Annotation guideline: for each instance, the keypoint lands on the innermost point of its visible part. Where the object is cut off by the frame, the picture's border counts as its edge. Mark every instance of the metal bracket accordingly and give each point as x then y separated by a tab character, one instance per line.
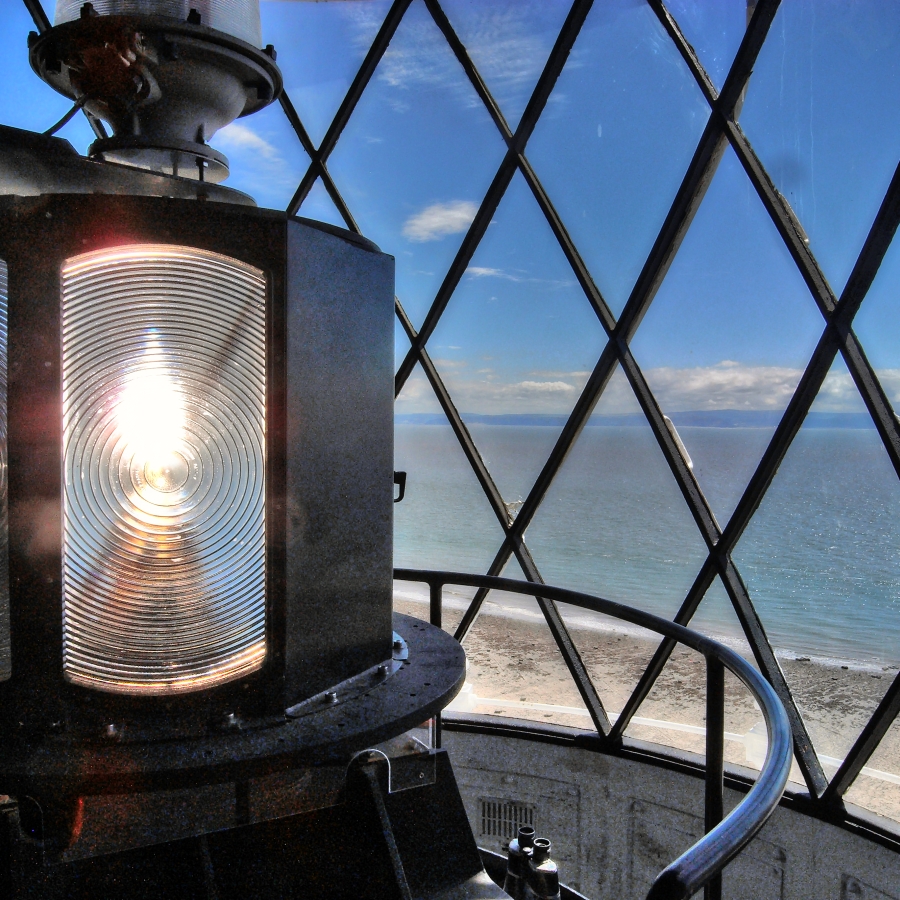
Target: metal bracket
355	685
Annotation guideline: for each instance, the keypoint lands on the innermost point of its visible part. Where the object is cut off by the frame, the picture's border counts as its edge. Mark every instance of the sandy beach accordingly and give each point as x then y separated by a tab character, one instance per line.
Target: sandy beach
514	669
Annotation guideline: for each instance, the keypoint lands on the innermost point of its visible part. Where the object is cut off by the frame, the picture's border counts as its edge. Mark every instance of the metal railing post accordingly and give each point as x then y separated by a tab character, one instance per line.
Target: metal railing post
435	597
715	759
436	591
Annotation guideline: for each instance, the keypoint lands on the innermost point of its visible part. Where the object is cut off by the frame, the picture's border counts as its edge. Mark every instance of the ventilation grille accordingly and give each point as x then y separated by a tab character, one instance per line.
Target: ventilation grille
503	818
164	384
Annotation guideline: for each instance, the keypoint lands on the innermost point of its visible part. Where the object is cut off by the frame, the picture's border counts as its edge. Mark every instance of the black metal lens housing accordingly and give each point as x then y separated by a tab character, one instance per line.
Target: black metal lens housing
200	463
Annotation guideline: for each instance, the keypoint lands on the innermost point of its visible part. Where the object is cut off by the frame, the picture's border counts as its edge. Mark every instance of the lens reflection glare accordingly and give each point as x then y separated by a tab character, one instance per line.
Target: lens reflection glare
164	439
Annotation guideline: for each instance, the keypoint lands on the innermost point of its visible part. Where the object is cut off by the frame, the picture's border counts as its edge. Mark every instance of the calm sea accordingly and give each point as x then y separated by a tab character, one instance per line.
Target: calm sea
820	559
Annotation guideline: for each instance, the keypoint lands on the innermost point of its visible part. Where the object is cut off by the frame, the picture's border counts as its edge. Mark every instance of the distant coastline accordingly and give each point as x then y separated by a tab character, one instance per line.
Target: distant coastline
707	418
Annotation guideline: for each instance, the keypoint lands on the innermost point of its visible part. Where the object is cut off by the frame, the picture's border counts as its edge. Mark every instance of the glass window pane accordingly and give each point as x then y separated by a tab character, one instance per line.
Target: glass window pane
265	157
616	139
509	42
877	324
714	30
820	562
417	157
823	114
877	787
320	49
444	521
515	669
517	343
728	335
614	522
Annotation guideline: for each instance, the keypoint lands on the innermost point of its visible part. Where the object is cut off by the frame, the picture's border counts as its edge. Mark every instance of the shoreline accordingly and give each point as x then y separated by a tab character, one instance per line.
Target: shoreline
514	669
455	601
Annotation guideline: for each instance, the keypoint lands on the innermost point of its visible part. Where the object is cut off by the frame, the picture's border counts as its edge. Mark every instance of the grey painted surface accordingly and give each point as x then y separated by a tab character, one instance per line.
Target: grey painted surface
340	458
616	823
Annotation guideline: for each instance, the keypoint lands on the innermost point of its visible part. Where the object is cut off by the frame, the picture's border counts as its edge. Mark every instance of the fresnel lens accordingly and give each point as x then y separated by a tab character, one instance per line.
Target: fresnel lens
164	463
196	461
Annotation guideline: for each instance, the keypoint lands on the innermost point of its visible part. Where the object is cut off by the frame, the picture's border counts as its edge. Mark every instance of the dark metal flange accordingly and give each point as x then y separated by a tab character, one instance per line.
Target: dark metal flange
165	87
423	685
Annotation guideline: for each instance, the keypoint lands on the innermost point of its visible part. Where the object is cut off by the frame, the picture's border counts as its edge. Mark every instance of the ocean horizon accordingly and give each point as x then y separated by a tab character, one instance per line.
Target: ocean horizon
696	418
819	559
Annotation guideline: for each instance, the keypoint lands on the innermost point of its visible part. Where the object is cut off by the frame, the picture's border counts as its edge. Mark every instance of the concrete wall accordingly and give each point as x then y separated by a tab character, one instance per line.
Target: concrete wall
616	823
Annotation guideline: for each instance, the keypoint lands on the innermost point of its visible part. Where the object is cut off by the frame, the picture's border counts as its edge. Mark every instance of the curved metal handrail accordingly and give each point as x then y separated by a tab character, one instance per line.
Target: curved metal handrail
702	864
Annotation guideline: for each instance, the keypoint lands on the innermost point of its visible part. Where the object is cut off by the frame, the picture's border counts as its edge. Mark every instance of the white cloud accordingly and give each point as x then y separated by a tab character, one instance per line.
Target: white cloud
482	392
261	168
727	385
239	137
451	363
545	387
439	220
578	375
523	278
418	57
509	46
839	394
488	272
508	49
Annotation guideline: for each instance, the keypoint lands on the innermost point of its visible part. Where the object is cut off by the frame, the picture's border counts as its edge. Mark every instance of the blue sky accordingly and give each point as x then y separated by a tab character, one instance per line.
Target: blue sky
732	326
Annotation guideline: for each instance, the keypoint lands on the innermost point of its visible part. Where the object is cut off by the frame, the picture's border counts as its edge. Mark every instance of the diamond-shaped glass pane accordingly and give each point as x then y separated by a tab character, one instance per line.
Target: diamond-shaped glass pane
417	158
616	139
823	113
515	669
614	653
320	48
877	324
614	522
674	712
517	343
509	42
444	521
714	30
877	787
728	336
820	561
265	157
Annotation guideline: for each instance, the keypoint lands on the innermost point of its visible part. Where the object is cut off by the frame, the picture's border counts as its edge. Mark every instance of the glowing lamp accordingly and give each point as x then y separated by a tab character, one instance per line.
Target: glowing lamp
198	422
163	555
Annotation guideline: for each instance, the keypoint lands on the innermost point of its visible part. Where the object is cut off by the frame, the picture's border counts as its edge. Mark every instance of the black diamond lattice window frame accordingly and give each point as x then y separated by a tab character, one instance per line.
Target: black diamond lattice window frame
837	336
